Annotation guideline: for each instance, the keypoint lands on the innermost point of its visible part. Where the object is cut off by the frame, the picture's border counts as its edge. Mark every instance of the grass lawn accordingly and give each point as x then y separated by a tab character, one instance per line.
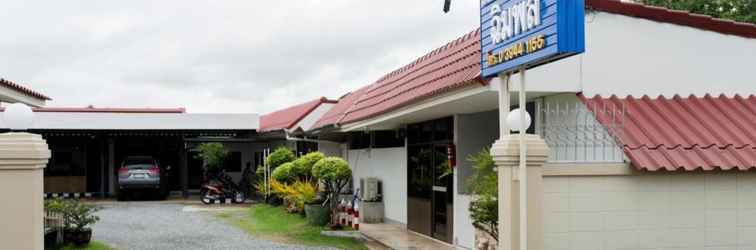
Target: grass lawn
93	245
273	223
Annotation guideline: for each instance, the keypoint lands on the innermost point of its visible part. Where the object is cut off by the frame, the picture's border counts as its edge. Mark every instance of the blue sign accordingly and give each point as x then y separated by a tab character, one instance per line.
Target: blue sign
516	33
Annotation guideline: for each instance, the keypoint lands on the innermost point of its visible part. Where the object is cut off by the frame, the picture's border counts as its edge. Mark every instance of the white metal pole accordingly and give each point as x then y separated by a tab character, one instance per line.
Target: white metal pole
505	200
503	104
523	174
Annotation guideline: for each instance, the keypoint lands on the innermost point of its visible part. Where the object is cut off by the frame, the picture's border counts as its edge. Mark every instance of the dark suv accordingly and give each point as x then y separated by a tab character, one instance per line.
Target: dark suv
139	173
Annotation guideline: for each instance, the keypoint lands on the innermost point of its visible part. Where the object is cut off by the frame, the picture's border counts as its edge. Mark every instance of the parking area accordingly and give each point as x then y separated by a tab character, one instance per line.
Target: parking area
173	225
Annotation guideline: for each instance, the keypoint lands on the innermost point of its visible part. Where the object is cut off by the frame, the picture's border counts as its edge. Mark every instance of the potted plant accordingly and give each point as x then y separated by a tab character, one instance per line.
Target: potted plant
334	173
78	217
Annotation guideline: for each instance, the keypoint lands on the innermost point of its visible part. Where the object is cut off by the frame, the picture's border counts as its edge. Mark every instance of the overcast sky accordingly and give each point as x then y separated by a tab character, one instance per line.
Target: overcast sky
216	56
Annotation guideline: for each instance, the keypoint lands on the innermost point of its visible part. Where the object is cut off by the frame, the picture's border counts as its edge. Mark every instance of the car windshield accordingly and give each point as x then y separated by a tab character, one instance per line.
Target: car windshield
139	163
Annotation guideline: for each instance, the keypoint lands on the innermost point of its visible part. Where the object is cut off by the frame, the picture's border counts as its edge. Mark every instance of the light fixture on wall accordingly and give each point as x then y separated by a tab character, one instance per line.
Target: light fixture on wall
514	121
18	117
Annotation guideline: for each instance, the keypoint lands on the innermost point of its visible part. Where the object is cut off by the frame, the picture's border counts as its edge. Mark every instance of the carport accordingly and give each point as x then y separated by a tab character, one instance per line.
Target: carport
88	144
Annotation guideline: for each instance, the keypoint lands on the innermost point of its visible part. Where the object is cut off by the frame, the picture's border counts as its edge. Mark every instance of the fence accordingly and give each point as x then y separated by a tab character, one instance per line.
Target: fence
53	226
574	134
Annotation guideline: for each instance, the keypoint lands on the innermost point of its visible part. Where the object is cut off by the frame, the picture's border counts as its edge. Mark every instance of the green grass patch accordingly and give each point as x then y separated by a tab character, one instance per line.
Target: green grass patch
273	223
93	245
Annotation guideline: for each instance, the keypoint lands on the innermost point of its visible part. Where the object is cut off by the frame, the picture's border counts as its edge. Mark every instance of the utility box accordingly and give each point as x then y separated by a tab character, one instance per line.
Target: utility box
371	195
370	189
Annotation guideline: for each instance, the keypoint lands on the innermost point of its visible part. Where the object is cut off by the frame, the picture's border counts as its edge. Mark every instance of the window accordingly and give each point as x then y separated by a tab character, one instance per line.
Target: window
304	147
233	162
376	139
434	131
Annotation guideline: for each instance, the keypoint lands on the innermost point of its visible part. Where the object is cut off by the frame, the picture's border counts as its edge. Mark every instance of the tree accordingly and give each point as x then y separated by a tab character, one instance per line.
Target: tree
280	156
334	173
303	166
284	173
213	154
737	10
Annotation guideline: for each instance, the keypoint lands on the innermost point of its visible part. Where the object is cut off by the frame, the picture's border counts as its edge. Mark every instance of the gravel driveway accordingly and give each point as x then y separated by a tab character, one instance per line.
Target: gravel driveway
161	225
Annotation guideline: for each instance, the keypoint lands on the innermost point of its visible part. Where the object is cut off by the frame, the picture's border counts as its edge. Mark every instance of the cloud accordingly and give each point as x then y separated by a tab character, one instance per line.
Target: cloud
217	56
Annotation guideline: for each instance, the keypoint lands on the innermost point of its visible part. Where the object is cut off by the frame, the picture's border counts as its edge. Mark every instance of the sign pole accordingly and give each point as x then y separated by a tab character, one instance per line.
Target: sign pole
523	172
505	179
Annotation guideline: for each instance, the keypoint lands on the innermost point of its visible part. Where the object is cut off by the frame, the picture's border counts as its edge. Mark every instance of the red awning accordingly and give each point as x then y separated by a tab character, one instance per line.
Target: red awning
683	133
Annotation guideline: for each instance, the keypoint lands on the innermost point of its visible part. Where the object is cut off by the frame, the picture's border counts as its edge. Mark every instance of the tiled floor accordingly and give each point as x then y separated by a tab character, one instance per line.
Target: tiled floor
396	237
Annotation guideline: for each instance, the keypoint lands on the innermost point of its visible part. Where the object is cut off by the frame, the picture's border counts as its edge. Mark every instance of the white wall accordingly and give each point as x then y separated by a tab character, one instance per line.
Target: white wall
634	56
653	211
472	133
330	149
390	166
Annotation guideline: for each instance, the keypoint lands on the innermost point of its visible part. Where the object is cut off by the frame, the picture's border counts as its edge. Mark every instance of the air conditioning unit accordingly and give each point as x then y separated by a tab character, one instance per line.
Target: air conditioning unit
370	189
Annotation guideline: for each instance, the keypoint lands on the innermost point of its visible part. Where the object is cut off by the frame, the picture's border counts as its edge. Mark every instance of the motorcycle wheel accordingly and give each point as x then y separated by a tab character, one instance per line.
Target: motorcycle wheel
207	198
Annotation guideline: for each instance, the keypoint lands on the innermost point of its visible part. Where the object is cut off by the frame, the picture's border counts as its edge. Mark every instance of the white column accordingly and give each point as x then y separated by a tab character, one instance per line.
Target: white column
23	157
504	175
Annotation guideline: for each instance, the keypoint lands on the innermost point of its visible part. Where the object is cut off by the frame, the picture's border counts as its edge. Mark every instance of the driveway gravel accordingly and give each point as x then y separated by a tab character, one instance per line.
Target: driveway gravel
161	225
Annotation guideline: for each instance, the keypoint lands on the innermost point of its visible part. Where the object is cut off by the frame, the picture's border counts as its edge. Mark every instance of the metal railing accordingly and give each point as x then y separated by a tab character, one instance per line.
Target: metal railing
53	223
574	134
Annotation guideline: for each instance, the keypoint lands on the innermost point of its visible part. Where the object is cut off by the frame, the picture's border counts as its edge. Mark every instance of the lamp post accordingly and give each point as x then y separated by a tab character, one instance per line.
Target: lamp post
18	117
23	157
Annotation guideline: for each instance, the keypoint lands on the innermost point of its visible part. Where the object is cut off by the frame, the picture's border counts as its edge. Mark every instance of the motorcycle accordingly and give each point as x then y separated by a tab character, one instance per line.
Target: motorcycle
220	187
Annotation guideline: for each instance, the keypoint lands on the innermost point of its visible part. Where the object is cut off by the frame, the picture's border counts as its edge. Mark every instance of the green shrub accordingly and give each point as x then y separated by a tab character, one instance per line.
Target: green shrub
280	156
77	216
284	173
213	154
484	209
303	165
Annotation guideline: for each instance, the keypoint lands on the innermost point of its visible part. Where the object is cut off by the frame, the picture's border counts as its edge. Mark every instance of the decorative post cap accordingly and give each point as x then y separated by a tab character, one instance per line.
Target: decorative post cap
506	151
23	151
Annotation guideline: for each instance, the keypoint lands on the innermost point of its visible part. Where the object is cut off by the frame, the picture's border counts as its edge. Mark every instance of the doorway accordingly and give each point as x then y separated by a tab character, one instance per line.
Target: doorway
430	193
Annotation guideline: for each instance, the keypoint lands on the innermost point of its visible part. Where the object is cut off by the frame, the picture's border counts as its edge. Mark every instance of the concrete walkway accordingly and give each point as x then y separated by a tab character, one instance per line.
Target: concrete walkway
396	237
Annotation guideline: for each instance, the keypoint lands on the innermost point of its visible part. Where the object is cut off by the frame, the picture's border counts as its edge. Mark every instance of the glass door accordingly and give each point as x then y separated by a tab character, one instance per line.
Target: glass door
443	194
419	185
430	193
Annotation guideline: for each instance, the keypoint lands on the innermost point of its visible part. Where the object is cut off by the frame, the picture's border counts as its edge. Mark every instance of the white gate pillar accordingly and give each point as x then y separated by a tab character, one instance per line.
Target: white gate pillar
506	154
23	156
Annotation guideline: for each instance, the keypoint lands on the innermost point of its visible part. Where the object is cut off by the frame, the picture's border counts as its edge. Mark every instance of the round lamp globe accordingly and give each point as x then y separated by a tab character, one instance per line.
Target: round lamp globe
514	121
18	116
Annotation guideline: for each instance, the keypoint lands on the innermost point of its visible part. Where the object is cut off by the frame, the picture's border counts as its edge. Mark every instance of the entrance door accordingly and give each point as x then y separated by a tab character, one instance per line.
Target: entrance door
443	195
430	191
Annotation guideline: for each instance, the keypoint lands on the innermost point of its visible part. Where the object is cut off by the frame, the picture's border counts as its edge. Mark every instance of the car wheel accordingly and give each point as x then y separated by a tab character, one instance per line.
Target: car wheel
122	195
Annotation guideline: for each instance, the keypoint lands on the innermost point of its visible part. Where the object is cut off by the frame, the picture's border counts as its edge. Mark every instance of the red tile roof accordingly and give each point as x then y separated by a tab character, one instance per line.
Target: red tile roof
336	113
684	18
450	67
288	117
456	65
23	90
684	133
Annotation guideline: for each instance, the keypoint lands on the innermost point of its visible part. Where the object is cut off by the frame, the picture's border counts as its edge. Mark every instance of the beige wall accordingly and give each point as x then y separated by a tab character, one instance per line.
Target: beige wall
22	205
651	211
